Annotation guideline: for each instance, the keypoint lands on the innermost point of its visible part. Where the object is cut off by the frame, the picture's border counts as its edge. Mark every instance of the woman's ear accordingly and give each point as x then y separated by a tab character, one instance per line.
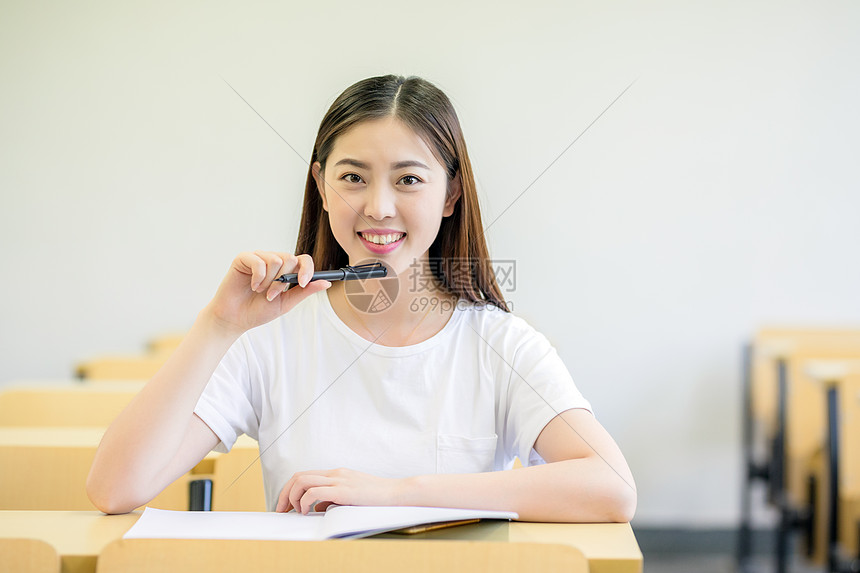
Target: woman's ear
315	170
454	192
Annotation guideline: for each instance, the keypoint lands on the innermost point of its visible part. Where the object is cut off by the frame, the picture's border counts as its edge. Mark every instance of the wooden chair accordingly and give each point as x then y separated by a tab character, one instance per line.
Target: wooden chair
28	556
804	432
337	556
785	410
48	438
238	478
47	468
773	346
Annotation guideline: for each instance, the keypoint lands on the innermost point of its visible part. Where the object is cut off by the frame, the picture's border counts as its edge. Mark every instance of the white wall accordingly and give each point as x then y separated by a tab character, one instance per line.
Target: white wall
719	193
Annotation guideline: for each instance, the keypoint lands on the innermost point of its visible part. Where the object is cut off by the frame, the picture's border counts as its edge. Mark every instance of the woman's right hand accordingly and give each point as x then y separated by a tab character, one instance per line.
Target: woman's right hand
131	467
249	296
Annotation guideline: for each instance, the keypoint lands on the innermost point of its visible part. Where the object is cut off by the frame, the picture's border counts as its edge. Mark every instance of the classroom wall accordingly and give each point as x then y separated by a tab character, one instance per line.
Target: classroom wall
719	193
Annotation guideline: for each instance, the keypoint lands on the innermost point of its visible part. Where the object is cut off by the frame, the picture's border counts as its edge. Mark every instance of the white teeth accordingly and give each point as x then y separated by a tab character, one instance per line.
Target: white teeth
383	239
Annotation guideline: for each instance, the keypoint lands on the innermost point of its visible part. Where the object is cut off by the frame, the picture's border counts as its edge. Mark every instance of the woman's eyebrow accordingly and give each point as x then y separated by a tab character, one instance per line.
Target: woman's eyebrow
397	165
411	163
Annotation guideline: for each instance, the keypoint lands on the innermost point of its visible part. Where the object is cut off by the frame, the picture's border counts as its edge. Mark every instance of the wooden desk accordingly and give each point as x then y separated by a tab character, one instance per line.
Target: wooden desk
128	367
79	537
609	547
94	404
65	383
352	556
165	343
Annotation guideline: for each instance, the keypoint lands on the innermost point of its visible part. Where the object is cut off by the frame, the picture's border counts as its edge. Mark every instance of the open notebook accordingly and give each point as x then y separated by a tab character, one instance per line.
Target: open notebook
343	521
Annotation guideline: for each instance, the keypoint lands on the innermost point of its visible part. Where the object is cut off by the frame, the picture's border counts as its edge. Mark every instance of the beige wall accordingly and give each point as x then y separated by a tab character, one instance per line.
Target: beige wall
719	193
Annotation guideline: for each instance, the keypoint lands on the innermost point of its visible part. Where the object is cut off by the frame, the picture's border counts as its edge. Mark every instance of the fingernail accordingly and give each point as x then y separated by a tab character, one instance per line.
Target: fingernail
271	296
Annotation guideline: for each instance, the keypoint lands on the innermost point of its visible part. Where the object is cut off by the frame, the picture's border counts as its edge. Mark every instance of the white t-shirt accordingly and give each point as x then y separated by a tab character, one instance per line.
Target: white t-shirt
316	395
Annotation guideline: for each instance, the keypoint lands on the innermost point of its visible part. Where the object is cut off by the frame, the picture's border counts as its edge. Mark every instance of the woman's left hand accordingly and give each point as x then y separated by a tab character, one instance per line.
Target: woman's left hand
318	489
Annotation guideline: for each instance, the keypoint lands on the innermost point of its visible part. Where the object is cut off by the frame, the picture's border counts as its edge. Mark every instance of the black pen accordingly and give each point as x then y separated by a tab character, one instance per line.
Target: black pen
369	271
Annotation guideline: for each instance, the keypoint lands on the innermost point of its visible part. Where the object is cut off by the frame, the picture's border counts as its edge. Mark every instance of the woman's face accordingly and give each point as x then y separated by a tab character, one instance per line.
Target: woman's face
385	193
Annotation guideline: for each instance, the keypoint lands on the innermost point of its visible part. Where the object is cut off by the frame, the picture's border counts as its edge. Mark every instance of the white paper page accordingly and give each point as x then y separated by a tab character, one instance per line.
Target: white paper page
351	521
165	524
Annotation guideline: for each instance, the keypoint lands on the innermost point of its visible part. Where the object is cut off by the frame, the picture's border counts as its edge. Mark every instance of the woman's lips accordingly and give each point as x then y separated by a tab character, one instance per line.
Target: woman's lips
381	249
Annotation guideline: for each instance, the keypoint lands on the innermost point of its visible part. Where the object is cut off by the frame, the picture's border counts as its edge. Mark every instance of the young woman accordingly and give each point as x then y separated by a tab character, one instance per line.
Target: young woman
414	395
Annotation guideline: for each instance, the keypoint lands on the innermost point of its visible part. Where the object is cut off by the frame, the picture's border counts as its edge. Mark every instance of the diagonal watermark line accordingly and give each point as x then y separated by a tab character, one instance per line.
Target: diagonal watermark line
264	121
558	414
308	407
325	183
517	198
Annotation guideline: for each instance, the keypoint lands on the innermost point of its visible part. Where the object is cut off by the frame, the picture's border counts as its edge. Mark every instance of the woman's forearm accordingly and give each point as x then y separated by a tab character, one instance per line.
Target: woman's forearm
578	490
146	436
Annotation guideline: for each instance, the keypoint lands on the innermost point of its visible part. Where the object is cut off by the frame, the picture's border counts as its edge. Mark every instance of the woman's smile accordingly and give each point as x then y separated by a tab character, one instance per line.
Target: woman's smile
381	241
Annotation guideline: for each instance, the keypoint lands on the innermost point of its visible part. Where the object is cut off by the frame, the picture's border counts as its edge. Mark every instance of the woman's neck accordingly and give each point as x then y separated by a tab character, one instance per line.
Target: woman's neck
393	314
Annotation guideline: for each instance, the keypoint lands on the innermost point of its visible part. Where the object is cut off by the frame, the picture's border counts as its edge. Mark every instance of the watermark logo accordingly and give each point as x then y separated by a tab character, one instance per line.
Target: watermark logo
462	271
505	272
372	295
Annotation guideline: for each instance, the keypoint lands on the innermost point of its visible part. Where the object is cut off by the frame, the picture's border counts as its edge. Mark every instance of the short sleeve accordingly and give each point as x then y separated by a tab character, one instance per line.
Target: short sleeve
227	402
539	389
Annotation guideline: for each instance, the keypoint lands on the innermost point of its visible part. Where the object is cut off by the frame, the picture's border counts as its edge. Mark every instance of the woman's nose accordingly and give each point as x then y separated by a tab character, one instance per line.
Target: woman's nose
380	201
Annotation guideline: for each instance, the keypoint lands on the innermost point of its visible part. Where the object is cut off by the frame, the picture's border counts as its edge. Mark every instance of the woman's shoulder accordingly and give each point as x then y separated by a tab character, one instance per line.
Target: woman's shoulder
490	321
506	338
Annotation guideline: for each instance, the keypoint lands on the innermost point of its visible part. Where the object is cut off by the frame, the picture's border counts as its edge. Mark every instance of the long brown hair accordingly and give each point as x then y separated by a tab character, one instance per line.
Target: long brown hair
458	256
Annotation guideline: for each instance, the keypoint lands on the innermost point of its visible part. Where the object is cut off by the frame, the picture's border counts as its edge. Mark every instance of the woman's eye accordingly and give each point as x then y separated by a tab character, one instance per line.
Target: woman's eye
412	180
351	178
